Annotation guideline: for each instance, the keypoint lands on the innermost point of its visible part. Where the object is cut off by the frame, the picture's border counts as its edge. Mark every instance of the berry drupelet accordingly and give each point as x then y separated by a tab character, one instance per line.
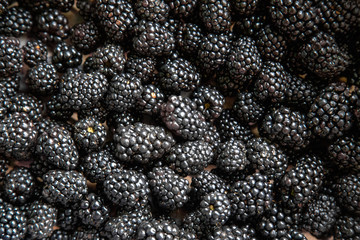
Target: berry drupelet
65	56
152	10
347	227
97	111
141	67
233	232
182	8
109	60
85	37
92	211
345	153
11	56
205	183
248	108
188	37
89	134
215	15
62	5
43	79
272	45
150	100
87	9
15	22
35	52
232	156
67	219
210	102
13	224
26	103
347	192
154	229
215	208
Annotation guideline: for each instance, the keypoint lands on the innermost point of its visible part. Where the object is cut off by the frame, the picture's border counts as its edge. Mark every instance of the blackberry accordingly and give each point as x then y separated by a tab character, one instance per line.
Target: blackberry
11	56
345	153
47	123
81	90
271	44
182	8
347	227
9	88
67	219
154	228
19	185
3	6
56	147
153	10
60	235
141	143
35	52
87	234
52	26
347	192
244	61
232	156
15	22
87	9
65	56
13	222
178	75
215	15
56	110
320	216
297	19
250	25
193	223
302	183
4	162
17	136
229	127
228	232
251	197
191	157
128	189
63	5
272	83
213	50
267	158
85	37
141	67
109	60
323	56
188	37
152	39
89	134
43	79
228	86
286	127
41	220
181	116
170	190
150	100
36	6
25	103
330	115
64	187
210	102
117	119
215	208
205	183
92	211
117	18
244	7
248	108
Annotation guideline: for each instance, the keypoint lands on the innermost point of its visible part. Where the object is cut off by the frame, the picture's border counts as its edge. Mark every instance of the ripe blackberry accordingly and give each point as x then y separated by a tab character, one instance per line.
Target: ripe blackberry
4	162
271	44
323	56
17	136
215	15
35	6
248	108
181	116
19	186
67	219
345	153
15	22
118	119
64	187
41	220
25	103
347	227
56	110
35	52
150	100
3	6
244	61
152	39
153	10
188	37
232	156
182	8
62	5
169	189
228	86
128	189
109	60
229	127
267	158
87	234
193	223
320	216
85	37
251	197
154	228
116	17
297	19
347	192
52	26
65	56
178	75
250	25
9	87
141	67
210	102
89	134
56	147
244	7
330	115
228	232
191	157
98	111
206	182
286	127
43	79
92	211
215	208
60	235
302	183
213	50
272	82
87	9
13	222
11	56
151	142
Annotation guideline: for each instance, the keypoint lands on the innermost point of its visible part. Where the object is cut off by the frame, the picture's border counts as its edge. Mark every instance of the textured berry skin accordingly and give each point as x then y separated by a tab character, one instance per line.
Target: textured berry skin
215	15
56	147
17	136
188	37
183	8
128	189
87	9
272	45
170	190
3	167
250	25
11	56
152	10
56	109
232	156
87	234
191	157
150	100
64	187
244	7
13	222
92	211
161	43
67	219
52	26
19	185
286	127
141	142
178	75
248	108
85	37
251	197
41	220
141	67
43	79
181	116
323	56
109	60
89	134
347	227
60	235
210	102
65	56
229	232
26	103
301	93
97	111
15	22
345	153
153	228
215	208
302	183
63	5
347	192
205	183
3	6
9	87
